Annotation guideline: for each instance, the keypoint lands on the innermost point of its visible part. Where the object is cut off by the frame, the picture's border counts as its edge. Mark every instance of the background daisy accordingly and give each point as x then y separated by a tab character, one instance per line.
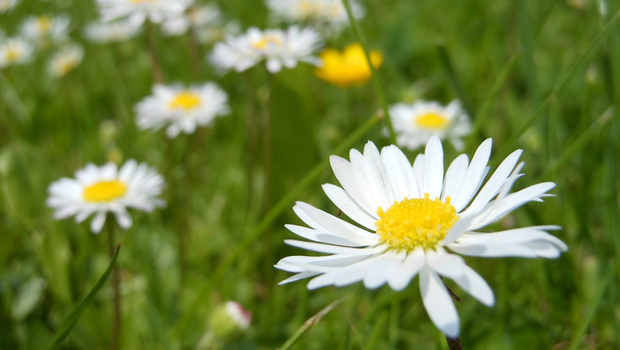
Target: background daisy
137	12
42	29
181	108
101	190
318	13
66	60
415	123
15	51
409	215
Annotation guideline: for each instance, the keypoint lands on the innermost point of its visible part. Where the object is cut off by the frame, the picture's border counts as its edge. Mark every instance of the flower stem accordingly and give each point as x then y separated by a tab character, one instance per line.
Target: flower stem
116	322
375	79
267	142
454	344
155	64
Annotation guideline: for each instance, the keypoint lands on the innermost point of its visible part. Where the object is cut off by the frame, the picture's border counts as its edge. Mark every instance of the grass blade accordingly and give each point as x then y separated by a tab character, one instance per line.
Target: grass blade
446	63
70	321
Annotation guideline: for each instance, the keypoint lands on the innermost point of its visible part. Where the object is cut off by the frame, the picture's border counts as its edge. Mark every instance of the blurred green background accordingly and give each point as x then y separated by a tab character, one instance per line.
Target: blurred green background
553	66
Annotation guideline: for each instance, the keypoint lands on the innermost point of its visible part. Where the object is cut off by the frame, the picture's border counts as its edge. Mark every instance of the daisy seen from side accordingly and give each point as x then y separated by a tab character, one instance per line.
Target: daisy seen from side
99	190
66	60
349	67
139	11
411	216
318	13
14	51
108	32
45	28
278	48
416	123
181	108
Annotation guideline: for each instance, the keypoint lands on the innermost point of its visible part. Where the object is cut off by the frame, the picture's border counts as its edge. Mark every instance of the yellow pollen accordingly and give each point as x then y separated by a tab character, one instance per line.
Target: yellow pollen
105	191
412	223
185	100
431	120
266	40
45	23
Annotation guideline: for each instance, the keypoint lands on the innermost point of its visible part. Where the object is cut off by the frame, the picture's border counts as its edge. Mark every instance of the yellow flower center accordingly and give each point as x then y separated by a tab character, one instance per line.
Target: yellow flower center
349	67
105	191
412	223
13	54
67	66
44	23
185	100
266	40
431	120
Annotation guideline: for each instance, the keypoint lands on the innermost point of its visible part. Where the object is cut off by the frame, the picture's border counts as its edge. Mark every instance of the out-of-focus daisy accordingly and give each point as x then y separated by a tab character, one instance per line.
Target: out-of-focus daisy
43	28
315	12
349	67
106	189
410	215
181	108
211	34
138	11
15	51
66	60
415	123
8	5
195	18
116	31
277	47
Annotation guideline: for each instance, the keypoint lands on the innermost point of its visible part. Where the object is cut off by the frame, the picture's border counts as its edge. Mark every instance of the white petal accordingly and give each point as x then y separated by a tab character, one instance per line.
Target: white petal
433	169
457	230
476	286
332	249
454	176
438	303
400	172
298	277
377	179
448	265
353	182
493	250
473	177
418	171
382	268
124	219
349	207
407	270
97	223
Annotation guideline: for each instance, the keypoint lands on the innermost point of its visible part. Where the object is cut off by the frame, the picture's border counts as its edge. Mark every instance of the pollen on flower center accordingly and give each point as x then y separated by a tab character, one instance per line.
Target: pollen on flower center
45	23
431	120
266	40
412	223
105	191
185	100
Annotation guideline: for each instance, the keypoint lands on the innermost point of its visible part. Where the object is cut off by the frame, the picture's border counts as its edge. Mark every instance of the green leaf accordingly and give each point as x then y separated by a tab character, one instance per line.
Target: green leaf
69	322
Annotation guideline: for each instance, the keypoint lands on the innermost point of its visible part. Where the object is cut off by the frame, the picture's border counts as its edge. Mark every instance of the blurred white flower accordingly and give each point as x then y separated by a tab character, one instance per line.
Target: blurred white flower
43	28
181	108
138	11
66	60
211	34
410	215
318	13
101	190
116	31
277	47
15	51
415	123
195	18
8	5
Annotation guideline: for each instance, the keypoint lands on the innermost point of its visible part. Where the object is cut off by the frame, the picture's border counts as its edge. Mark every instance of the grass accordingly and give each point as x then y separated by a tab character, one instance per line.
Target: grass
543	76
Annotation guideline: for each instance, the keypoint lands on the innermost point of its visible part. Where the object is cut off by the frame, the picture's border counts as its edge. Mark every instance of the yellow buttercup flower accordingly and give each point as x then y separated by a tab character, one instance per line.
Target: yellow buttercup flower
349	67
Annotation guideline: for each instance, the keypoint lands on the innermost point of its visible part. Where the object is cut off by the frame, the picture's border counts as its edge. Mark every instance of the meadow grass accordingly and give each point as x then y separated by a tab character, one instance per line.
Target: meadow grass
543	76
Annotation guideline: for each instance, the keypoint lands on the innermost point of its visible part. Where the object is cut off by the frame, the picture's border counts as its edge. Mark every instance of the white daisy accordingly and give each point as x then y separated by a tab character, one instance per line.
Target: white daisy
116	31
316	12
410	215
181	108
211	34
277	47
8	5
101	190
415	124
66	60
138	11
196	18
43	28
15	51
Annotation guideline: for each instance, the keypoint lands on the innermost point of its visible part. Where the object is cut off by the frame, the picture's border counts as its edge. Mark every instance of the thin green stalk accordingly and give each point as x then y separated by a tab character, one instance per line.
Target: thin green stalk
509	145
446	62
155	63
375	78
14	100
311	322
116	322
585	321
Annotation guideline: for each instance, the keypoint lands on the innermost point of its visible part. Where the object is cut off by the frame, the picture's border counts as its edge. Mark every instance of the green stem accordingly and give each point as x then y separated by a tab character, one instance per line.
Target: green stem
116	323
375	78
155	64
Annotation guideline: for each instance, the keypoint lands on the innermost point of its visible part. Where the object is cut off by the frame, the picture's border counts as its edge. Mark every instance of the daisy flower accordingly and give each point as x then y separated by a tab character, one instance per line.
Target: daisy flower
195	18
8	5
66	60
349	67
277	47
181	108
415	123
42	28
15	51
116	31
409	215
139	11
101	190
316	12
